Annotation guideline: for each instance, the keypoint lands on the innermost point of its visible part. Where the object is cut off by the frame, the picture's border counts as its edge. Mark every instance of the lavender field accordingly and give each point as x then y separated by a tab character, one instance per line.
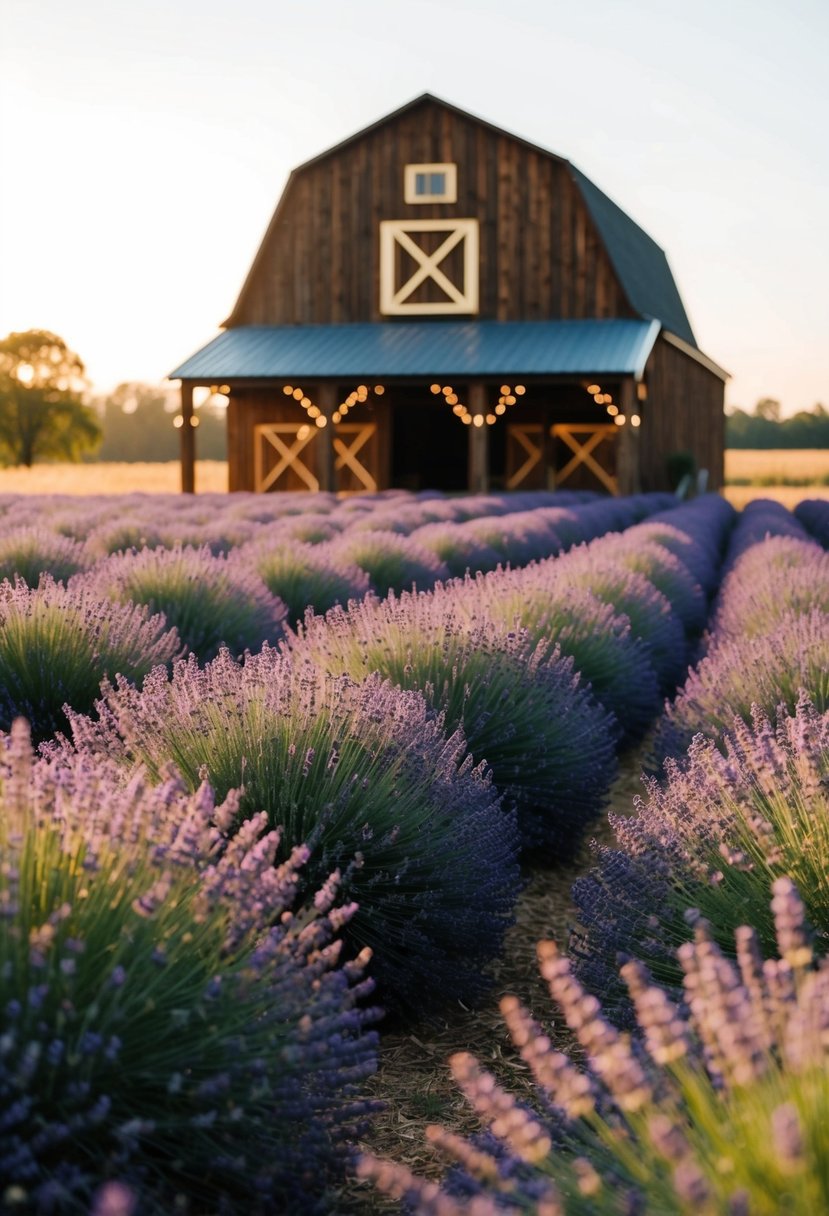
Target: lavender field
278	774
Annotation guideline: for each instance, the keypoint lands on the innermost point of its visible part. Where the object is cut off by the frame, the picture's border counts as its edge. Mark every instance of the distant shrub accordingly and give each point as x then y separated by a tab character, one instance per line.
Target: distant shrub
713	836
392	562
360	774
165	1016
57	644
29	552
721	1109
211	601
302	576
521	706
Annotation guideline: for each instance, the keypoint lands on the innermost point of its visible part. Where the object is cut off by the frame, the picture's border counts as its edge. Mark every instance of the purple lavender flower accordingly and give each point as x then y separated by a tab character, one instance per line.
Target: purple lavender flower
655	1134
234	1072
365	776
210	601
57	644
520	704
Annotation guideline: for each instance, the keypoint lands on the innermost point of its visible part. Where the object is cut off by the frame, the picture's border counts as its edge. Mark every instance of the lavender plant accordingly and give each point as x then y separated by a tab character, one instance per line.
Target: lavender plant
302	576
58	643
773	579
813	514
713	835
27	553
455	546
521	705
668	574
767	670
210	601
363	776
166	1020
652	620
614	663
720	1109
760	519
392	562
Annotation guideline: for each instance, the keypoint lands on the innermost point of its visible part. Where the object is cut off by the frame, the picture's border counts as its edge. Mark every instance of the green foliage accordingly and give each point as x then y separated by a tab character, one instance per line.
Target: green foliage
806	429
42	414
137	423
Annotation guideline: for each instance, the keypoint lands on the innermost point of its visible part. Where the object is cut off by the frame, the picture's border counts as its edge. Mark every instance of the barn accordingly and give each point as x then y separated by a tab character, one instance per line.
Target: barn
439	304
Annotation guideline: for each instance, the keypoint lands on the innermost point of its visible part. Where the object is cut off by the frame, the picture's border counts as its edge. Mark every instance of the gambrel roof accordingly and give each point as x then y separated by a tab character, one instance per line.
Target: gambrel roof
639	263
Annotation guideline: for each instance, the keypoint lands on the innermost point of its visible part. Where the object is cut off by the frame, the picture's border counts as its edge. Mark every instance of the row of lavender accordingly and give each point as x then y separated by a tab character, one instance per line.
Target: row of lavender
145	927
90	613
719	1102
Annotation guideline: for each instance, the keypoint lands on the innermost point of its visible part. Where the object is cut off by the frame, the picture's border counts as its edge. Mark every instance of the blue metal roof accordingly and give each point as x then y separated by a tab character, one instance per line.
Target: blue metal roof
641	265
424	348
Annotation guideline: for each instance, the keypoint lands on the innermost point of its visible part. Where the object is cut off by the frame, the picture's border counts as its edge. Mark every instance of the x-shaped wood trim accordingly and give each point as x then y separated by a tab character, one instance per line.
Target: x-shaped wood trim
347	453
397	300
525	434
582	452
428	266
270	433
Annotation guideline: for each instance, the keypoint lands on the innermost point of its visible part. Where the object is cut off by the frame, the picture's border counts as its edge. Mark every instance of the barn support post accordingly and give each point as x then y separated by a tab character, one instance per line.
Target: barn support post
478	440
327	402
188	439
627	451
548	449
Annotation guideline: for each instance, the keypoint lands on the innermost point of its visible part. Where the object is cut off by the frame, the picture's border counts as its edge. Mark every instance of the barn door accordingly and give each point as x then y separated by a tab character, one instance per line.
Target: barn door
580	444
575	452
356	457
280	453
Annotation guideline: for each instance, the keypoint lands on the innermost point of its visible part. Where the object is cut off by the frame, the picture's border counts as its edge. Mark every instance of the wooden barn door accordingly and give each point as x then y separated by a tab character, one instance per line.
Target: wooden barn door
356	457
583	456
283	456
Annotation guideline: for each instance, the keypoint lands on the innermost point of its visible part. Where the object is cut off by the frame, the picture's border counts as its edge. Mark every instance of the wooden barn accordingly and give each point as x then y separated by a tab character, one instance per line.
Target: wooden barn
439	304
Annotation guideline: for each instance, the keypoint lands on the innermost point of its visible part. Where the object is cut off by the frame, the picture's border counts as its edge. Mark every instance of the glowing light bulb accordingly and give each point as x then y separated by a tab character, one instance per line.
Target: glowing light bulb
635	420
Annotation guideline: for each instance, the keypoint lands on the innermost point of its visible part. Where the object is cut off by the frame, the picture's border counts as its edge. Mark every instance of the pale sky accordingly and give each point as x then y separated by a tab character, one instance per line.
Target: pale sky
144	148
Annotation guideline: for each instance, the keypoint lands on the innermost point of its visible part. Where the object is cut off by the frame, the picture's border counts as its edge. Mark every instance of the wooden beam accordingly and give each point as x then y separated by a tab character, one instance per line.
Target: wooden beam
478	440
326	399
188	439
627	447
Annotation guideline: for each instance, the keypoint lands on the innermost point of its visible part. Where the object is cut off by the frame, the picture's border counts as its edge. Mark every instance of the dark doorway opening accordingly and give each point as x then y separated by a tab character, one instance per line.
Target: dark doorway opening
429	444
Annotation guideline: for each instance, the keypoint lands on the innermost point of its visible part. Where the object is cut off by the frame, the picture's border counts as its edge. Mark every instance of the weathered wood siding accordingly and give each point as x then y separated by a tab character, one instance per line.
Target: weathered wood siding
540	254
684	412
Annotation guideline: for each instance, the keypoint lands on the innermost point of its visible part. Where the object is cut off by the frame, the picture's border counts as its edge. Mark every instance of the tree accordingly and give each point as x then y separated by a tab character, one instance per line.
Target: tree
768	408
42	413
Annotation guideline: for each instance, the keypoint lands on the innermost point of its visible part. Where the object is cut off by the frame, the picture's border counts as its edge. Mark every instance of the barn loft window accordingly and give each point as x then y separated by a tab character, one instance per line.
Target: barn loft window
430	183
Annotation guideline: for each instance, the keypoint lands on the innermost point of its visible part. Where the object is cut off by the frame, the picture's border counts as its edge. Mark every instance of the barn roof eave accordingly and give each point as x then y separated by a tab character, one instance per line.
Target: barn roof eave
463	348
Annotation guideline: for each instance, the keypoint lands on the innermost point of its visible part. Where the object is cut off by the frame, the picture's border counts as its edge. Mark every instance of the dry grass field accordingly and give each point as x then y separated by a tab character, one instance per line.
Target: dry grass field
158	478
749	474
788	476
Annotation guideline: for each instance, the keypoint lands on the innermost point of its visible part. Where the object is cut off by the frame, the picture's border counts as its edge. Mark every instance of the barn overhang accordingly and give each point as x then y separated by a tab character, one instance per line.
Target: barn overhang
618	347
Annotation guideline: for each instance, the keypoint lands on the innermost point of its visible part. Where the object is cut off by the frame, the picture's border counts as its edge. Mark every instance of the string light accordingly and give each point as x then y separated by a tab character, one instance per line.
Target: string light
594	388
288	390
178	421
619	420
520	390
613	410
635	420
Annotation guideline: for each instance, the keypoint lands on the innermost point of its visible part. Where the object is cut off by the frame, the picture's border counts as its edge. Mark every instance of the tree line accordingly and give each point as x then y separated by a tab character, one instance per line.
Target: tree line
764	427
